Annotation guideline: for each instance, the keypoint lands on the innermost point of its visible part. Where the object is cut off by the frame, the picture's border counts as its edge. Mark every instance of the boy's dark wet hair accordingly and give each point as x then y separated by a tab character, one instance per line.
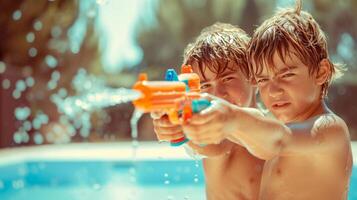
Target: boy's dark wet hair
290	31
217	46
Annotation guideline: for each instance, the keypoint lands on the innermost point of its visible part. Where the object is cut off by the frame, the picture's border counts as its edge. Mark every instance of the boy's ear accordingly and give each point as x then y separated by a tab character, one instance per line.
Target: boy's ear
324	71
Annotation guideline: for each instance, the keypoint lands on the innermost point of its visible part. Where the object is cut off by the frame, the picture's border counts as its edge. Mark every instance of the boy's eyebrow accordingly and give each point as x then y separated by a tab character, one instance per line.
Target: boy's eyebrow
221	75
204	81
281	71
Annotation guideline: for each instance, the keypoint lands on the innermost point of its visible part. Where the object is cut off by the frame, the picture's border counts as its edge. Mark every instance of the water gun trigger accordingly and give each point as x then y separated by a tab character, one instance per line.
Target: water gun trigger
174	117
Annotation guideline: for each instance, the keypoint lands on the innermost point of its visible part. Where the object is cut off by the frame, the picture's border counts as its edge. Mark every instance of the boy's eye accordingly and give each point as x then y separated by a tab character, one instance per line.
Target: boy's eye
262	80
205	86
287	75
226	79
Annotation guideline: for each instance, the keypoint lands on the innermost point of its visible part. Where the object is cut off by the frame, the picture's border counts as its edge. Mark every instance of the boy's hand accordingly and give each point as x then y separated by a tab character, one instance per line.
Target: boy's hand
212	124
164	129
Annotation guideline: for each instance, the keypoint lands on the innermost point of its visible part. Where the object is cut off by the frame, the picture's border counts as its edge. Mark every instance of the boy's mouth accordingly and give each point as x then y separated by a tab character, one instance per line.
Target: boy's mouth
279	105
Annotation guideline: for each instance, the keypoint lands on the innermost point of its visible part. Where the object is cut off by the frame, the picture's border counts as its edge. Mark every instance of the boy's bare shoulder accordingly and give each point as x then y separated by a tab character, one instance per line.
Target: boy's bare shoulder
329	124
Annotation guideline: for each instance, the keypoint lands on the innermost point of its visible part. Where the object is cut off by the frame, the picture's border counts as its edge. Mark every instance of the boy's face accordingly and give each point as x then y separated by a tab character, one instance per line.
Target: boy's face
289	92
229	85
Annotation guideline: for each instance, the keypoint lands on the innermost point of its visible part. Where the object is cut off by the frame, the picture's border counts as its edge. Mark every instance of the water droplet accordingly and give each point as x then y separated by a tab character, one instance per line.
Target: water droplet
51	61
195	179
167	182
36	123
27	125
32	52
16	15
20	85
18	184
21	113
30	37
55	75
38	138
56	31
51	85
75	48
17	137
30	81
25	137
44	118
16	94
166	175
2	67
134	123
6	84
62	92
37	25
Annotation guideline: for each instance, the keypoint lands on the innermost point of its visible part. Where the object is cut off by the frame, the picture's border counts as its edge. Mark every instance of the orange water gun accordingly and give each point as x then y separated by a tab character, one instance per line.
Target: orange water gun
177	96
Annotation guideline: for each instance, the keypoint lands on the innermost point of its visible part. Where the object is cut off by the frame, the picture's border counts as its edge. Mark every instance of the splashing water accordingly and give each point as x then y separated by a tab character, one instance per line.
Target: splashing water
93	94
134	130
133	123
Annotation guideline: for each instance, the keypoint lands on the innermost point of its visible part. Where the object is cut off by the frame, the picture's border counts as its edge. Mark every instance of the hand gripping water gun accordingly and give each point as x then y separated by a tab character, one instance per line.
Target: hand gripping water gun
177	96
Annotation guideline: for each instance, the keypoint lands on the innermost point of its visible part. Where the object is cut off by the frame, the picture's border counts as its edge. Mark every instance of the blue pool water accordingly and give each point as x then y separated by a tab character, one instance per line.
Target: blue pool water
87	180
44	180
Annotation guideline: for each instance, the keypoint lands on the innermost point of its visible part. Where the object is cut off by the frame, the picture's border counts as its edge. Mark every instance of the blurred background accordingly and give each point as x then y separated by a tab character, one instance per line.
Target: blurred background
53	51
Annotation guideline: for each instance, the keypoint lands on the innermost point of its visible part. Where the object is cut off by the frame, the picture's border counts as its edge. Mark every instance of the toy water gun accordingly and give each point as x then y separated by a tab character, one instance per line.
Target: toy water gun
177	96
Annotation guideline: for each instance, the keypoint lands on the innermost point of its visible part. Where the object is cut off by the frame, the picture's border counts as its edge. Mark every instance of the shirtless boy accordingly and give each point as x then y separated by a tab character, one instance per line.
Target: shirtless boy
307	148
219	57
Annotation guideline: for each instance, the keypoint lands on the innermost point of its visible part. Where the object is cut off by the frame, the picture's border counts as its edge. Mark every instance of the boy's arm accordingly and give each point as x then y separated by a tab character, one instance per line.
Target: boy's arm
265	137
210	150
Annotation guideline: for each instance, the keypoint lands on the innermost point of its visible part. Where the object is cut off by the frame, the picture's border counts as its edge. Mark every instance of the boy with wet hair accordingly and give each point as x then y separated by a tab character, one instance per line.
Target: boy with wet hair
307	147
218	56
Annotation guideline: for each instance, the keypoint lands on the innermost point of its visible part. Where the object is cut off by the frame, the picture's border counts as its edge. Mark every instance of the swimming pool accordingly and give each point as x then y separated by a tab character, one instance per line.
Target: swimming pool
103	171
99	171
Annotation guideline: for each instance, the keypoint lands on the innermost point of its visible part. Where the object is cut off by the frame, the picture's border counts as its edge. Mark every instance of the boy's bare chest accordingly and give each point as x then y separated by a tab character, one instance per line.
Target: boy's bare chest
238	173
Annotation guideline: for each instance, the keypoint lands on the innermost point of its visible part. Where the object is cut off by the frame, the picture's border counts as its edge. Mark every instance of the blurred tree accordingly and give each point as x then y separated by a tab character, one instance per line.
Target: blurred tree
36	44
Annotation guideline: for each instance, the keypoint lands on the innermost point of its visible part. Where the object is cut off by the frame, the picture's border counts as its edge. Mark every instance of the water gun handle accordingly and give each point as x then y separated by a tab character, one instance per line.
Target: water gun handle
195	106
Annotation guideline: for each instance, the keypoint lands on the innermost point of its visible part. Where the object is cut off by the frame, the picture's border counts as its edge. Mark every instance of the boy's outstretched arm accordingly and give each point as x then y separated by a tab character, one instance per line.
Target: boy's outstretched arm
266	137
211	150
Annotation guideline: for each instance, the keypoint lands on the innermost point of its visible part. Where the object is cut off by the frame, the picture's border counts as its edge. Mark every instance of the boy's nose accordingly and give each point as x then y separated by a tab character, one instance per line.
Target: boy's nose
274	90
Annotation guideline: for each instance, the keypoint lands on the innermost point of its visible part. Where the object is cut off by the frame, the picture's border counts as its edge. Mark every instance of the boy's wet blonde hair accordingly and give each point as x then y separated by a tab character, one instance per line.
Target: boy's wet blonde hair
216	46
291	31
